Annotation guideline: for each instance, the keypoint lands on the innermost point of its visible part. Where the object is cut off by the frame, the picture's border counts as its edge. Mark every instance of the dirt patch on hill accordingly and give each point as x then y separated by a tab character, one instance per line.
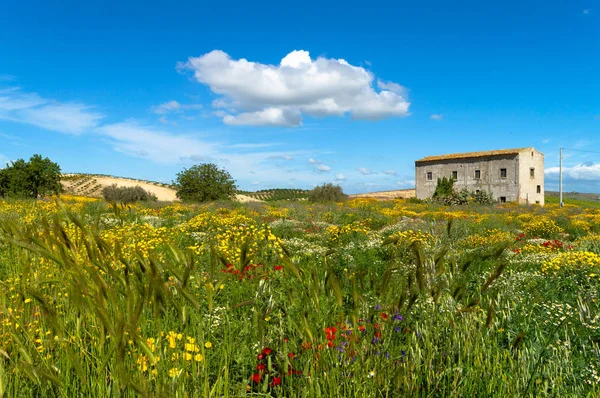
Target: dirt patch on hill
387	195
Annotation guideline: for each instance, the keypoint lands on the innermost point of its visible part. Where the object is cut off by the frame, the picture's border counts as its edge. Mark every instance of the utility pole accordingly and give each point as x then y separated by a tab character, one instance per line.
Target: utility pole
560	188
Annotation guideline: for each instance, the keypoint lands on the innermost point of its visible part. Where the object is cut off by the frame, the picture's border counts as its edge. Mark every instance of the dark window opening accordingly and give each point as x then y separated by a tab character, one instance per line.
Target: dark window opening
502	199
477	174
503	173
537	202
455	175
429	176
532	172
539	189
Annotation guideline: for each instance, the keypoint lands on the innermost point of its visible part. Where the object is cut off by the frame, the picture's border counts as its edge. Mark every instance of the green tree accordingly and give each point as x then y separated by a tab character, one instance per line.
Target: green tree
203	183
327	193
37	177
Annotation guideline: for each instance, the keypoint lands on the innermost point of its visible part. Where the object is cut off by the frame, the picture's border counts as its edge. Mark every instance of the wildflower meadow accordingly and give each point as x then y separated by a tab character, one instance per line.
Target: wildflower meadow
293	299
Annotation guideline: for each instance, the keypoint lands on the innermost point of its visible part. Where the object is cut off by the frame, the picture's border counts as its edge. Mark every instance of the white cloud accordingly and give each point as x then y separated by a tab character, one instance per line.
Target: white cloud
174	106
319	166
390	172
340	177
30	108
584	172
73	118
160	146
364	171
281	157
586	11
436	116
279	95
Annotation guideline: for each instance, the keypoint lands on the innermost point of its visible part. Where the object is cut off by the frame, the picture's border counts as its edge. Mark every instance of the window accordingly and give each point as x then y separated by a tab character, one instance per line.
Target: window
429	176
477	174
539	189
532	172
502	199
455	175
502	173
537	202
477	191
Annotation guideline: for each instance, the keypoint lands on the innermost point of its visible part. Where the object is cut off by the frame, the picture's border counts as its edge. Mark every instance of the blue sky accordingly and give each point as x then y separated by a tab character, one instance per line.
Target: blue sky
296	96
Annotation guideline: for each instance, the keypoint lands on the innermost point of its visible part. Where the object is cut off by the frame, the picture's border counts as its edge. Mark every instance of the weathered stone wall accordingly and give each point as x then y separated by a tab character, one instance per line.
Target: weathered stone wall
490	178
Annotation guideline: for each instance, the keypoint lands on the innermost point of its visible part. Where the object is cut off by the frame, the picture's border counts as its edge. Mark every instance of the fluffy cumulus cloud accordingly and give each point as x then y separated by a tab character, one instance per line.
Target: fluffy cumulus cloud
390	172
364	171
340	177
437	116
258	94
30	108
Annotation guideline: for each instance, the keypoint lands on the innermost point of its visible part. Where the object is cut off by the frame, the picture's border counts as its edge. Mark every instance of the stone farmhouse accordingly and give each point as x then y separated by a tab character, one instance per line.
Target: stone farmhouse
511	175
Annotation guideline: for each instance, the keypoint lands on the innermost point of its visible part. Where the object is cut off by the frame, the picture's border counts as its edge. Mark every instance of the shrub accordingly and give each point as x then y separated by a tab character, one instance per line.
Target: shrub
327	193
204	183
114	193
483	198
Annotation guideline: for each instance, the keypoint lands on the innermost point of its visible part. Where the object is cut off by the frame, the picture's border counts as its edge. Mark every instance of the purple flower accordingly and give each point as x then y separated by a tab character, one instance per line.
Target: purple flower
375	340
397	317
378	307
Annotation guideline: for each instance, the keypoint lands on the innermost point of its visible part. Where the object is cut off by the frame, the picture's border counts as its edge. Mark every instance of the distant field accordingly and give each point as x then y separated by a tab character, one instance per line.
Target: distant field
574	198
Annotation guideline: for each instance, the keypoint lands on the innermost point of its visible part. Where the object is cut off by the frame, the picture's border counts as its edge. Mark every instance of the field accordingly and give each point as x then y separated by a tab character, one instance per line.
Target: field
362	299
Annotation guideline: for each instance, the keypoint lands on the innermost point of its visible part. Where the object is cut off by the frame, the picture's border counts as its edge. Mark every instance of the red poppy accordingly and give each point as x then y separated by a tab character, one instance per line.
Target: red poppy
276	381
261	366
256	378
278	268
266	352
384	315
291	355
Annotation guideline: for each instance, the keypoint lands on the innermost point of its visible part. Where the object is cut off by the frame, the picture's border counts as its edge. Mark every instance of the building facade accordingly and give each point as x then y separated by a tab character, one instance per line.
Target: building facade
510	175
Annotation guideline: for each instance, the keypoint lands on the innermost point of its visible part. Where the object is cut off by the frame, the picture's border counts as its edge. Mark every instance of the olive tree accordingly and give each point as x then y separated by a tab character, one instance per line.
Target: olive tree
203	183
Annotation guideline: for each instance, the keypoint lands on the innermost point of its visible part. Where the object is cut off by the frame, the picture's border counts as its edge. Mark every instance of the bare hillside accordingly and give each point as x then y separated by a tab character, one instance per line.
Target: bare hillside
91	185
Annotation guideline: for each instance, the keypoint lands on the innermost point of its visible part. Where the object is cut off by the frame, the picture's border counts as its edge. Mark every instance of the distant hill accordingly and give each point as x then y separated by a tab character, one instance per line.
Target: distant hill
91	185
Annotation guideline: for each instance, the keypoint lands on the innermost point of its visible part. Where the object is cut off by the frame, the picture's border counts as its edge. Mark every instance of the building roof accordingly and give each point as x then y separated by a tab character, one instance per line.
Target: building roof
468	155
